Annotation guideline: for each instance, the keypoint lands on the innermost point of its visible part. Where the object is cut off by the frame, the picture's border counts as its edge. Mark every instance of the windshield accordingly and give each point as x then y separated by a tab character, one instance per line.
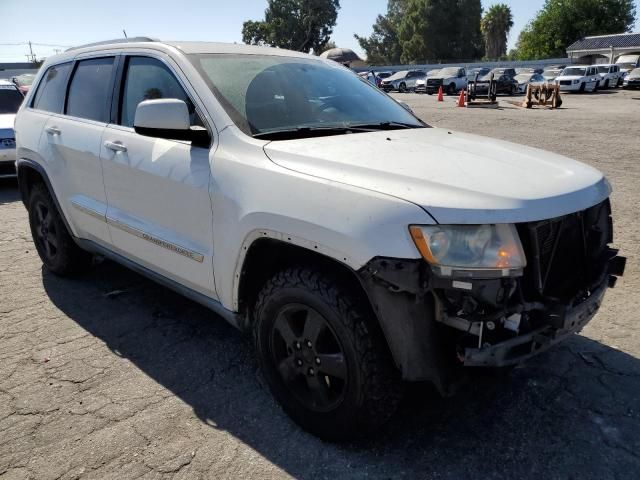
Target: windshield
10	99
628	66
398	75
498	71
433	73
523	77
449	72
580	72
264	93
25	80
635	72
604	69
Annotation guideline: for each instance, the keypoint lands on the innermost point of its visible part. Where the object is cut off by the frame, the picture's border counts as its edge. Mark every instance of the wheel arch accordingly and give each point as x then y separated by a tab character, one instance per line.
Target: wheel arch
266	254
31	173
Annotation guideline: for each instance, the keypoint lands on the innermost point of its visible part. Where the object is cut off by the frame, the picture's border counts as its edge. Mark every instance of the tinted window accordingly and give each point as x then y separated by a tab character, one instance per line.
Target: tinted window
50	93
10	99
89	93
147	79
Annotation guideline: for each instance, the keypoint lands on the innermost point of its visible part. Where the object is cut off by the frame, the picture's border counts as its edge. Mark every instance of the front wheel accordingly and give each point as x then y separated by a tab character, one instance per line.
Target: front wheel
606	84
582	87
402	88
323	356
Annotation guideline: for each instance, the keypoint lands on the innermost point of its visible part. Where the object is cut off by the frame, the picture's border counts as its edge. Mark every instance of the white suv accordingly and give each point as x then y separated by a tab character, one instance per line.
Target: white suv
360	246
579	78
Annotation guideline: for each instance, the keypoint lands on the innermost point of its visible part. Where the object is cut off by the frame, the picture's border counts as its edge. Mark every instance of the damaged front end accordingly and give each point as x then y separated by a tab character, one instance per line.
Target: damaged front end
437	320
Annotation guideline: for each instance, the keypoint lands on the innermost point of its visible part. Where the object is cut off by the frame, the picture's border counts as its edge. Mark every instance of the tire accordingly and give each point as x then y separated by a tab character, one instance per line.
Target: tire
582	87
305	322
57	250
606	84
402	88
513	90
451	89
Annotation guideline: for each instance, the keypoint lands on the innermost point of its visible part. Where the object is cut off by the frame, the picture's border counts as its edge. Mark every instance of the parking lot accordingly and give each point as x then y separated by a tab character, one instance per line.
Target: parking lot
112	376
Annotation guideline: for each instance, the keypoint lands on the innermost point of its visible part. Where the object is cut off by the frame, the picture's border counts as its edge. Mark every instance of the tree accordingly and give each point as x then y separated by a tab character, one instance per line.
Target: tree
437	30
383	46
495	25
301	25
562	22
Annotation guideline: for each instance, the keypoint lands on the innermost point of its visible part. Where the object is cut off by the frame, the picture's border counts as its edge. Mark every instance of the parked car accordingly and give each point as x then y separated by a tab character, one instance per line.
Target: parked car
383	75
610	75
402	81
23	82
10	101
504	78
369	77
478	71
632	80
259	182
525	79
451	79
551	72
421	83
579	78
539	70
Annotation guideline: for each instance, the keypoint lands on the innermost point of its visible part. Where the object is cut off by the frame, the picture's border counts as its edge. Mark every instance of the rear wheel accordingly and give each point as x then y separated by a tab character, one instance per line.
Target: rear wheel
323	356
57	250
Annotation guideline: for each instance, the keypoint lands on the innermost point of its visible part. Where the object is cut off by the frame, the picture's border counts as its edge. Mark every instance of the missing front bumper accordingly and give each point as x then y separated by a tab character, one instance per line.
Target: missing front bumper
523	347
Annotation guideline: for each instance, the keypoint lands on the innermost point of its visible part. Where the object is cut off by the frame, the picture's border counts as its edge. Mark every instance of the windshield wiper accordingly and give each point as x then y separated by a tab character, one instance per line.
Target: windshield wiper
321	131
386	126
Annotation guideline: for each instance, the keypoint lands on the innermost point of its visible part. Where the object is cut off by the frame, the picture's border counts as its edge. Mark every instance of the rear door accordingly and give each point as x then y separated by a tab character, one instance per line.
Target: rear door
71	143
160	212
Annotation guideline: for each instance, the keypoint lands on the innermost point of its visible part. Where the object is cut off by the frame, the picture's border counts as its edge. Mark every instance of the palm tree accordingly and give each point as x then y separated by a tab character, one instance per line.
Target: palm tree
495	25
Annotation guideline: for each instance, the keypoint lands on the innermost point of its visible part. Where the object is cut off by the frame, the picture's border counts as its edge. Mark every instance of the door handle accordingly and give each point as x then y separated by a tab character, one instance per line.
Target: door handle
53	130
115	146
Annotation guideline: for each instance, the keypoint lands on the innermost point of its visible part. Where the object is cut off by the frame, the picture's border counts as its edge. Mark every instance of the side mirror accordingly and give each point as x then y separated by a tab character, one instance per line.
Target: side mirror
168	118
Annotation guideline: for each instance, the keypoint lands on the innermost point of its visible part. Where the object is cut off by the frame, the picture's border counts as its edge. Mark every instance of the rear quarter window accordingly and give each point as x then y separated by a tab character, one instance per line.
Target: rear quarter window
50	92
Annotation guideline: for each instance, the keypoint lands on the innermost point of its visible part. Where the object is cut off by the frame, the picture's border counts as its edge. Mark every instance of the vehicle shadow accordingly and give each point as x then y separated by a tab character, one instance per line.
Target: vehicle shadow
570	413
9	192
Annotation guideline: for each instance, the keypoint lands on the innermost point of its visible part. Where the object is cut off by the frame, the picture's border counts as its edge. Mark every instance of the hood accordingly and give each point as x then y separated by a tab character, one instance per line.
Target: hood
570	77
458	178
6	120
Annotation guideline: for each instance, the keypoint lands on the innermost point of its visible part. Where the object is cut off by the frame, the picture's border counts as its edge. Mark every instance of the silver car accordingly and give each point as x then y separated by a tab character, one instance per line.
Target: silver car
402	81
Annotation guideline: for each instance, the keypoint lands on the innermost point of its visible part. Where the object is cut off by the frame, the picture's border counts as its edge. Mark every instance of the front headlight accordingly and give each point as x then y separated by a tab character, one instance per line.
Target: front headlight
575	82
470	250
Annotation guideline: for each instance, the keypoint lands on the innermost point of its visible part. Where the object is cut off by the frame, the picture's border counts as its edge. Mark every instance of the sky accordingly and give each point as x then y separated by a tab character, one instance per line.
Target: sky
58	25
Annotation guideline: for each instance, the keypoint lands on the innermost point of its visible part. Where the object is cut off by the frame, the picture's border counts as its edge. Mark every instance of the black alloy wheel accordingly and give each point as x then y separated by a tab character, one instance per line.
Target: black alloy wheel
55	246
46	235
310	359
323	354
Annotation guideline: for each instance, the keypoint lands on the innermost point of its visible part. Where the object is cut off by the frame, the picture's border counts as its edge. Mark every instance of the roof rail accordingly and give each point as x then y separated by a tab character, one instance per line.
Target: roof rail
117	40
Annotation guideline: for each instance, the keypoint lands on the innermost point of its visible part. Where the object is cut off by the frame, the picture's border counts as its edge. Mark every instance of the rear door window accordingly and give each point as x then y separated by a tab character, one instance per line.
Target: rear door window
90	89
50	93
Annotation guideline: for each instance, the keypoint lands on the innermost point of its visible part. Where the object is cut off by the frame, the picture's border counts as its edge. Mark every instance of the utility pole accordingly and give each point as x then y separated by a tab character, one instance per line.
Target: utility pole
125	33
31	56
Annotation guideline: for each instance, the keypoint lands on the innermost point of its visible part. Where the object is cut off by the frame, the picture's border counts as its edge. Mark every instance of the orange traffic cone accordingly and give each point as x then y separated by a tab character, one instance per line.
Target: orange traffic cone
461	99
440	97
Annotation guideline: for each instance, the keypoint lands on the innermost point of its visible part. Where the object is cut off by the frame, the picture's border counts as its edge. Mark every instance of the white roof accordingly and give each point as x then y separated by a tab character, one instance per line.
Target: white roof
185	47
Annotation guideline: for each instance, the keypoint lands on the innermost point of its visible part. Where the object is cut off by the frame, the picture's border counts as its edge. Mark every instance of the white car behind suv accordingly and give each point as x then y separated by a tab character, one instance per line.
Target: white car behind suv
579	78
10	100
307	207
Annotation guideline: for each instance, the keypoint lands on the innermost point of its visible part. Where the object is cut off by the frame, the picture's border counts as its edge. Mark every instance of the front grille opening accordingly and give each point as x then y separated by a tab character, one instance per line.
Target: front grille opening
7	168
565	255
